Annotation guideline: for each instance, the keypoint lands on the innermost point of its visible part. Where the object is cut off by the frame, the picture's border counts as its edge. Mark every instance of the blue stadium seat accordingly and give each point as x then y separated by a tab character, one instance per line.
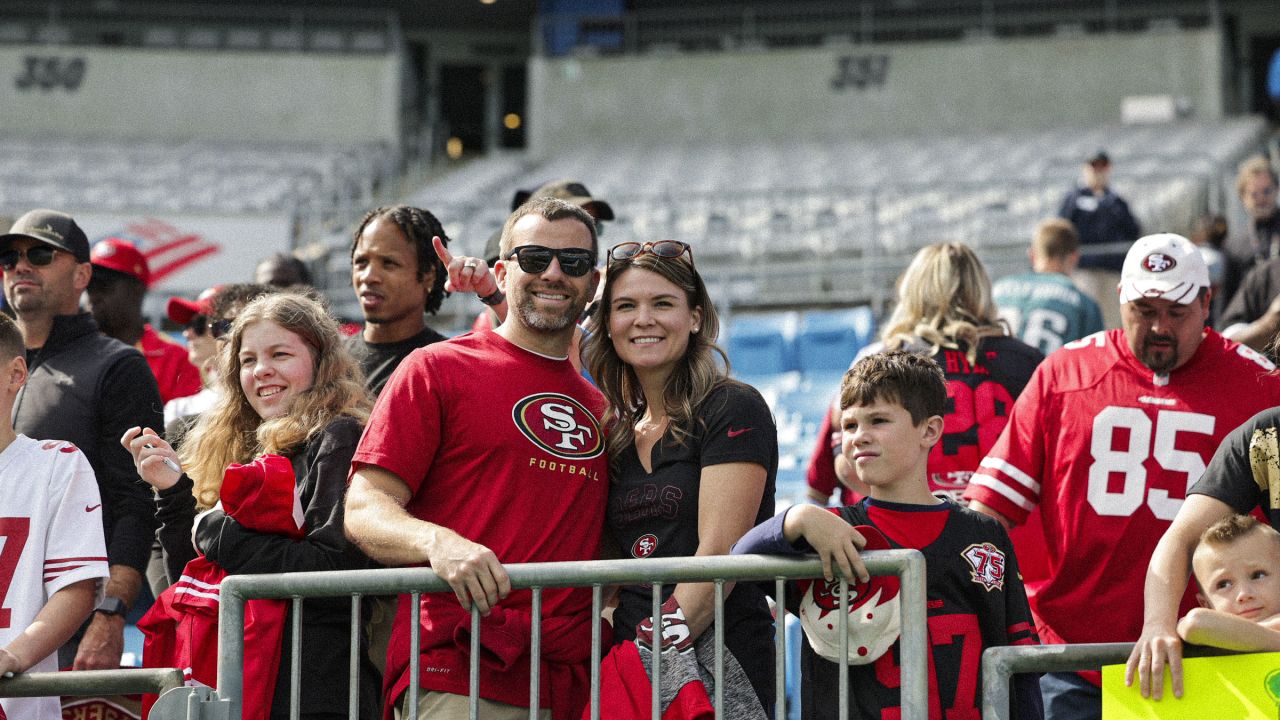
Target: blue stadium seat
790	486
762	344
828	339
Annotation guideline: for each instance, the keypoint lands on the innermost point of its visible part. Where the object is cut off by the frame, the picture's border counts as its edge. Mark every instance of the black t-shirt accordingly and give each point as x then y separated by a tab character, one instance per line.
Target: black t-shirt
379	360
1251	301
656	515
1245	471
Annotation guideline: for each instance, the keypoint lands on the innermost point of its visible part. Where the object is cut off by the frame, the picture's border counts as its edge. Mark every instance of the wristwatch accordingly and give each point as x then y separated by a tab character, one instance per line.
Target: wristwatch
112	606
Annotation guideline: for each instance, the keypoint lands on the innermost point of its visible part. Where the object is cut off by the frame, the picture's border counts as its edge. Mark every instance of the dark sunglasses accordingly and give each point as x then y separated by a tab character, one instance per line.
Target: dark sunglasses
534	259
660	248
200	324
218	328
37	255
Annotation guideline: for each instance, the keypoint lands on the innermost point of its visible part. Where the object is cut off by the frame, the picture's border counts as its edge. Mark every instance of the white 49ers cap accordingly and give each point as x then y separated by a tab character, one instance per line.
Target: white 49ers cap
875	619
1163	266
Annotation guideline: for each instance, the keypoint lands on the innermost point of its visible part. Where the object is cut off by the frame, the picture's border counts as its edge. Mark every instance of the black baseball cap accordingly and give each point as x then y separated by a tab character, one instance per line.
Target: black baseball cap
570	191
51	228
1098	157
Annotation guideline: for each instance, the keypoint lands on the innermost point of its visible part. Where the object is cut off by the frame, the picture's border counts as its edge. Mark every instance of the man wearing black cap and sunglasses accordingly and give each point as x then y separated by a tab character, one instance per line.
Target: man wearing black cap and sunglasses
465	431
45	258
568	190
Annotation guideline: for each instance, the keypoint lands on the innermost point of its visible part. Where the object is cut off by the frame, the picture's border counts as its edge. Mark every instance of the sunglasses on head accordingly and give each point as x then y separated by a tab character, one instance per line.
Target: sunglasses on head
660	248
575	262
37	255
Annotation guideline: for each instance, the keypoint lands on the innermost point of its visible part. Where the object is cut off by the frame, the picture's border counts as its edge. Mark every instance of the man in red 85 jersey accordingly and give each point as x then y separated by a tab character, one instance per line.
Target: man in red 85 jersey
1106	439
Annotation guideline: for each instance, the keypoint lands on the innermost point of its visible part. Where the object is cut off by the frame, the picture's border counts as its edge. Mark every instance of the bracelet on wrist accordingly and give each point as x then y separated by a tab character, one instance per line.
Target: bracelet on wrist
494	298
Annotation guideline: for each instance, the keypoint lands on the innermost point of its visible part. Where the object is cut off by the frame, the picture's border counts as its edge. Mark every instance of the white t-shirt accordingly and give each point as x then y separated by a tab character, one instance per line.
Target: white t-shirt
50	537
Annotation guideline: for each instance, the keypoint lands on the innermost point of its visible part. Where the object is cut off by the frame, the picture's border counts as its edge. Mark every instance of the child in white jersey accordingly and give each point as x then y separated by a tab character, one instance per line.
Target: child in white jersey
53	559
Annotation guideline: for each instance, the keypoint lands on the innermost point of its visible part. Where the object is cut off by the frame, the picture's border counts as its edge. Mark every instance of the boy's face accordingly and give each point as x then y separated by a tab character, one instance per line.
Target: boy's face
884	446
1241	578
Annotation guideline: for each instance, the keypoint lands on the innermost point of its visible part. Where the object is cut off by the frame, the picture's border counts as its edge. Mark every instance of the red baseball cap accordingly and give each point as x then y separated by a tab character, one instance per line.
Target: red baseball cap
181	310
121	256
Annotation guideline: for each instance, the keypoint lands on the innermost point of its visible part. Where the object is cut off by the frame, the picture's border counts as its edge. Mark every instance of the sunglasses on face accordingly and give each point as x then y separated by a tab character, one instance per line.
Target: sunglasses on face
660	248
37	255
535	259
200	324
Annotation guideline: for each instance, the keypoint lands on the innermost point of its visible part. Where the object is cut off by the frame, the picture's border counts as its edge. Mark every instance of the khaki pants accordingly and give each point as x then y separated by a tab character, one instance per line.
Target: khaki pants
447	706
1101	285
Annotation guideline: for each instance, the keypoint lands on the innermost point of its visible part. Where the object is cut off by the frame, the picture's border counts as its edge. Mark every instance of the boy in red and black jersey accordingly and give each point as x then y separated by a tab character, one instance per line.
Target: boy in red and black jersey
891	417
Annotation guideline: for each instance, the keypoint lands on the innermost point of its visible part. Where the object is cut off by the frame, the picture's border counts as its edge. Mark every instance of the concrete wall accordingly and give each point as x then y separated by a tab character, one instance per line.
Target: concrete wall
890	89
126	93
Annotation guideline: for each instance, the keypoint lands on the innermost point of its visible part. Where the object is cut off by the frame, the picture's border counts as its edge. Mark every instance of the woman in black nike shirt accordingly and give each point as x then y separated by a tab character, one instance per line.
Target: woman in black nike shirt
693	455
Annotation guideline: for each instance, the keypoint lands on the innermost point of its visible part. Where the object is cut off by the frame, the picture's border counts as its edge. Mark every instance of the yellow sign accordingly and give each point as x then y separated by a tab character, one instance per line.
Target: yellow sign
1230	686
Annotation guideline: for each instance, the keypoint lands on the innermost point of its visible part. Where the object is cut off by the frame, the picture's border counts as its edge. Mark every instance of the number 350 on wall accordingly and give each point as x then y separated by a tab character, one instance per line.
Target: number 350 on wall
50	72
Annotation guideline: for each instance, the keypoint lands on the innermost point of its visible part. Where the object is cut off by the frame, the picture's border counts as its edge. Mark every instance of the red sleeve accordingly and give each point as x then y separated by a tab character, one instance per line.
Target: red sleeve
403	433
821	475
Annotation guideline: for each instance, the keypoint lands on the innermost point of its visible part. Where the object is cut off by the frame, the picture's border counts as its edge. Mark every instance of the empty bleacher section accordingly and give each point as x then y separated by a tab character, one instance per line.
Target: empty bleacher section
835	221
198	176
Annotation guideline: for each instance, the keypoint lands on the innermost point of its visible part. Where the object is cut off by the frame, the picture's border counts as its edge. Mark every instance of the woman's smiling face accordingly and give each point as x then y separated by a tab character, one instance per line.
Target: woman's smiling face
276	365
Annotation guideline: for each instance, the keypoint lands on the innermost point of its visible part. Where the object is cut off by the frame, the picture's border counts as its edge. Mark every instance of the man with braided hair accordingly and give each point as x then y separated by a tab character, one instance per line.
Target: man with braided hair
398	280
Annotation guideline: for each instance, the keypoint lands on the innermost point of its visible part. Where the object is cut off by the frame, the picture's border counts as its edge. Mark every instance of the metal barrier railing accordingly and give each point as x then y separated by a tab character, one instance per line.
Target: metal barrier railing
908	565
1000	664
89	683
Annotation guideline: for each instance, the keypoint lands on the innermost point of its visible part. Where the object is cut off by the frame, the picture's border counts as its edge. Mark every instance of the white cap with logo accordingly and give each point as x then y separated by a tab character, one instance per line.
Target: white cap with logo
1163	266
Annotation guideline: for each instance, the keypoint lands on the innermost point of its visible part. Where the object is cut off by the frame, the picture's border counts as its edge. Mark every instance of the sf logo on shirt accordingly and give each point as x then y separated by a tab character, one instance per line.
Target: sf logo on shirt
559	425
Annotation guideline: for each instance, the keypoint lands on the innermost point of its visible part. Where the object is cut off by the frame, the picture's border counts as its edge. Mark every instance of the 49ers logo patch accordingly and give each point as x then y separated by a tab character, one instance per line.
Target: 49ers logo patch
1158	263
986	565
644	546
559	425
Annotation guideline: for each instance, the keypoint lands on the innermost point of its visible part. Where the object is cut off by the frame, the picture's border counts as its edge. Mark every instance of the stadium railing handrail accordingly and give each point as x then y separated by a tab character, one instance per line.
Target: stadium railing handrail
86	683
1000	664
91	682
908	565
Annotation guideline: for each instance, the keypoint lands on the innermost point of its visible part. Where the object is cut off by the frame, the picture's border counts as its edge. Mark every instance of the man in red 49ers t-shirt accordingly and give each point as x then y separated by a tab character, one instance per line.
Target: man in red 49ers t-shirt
1106	439
486	449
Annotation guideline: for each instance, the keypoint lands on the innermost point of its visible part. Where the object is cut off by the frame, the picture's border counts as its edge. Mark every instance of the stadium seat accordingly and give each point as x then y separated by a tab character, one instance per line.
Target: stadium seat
829	339
762	344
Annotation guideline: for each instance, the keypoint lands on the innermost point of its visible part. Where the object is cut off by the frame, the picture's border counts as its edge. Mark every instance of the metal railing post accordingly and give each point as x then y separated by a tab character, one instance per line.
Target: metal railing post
1000	664
231	602
914	648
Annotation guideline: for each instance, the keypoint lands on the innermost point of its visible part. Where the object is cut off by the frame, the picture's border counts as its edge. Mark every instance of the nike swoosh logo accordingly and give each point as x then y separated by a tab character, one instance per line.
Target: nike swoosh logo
91	508
736	433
